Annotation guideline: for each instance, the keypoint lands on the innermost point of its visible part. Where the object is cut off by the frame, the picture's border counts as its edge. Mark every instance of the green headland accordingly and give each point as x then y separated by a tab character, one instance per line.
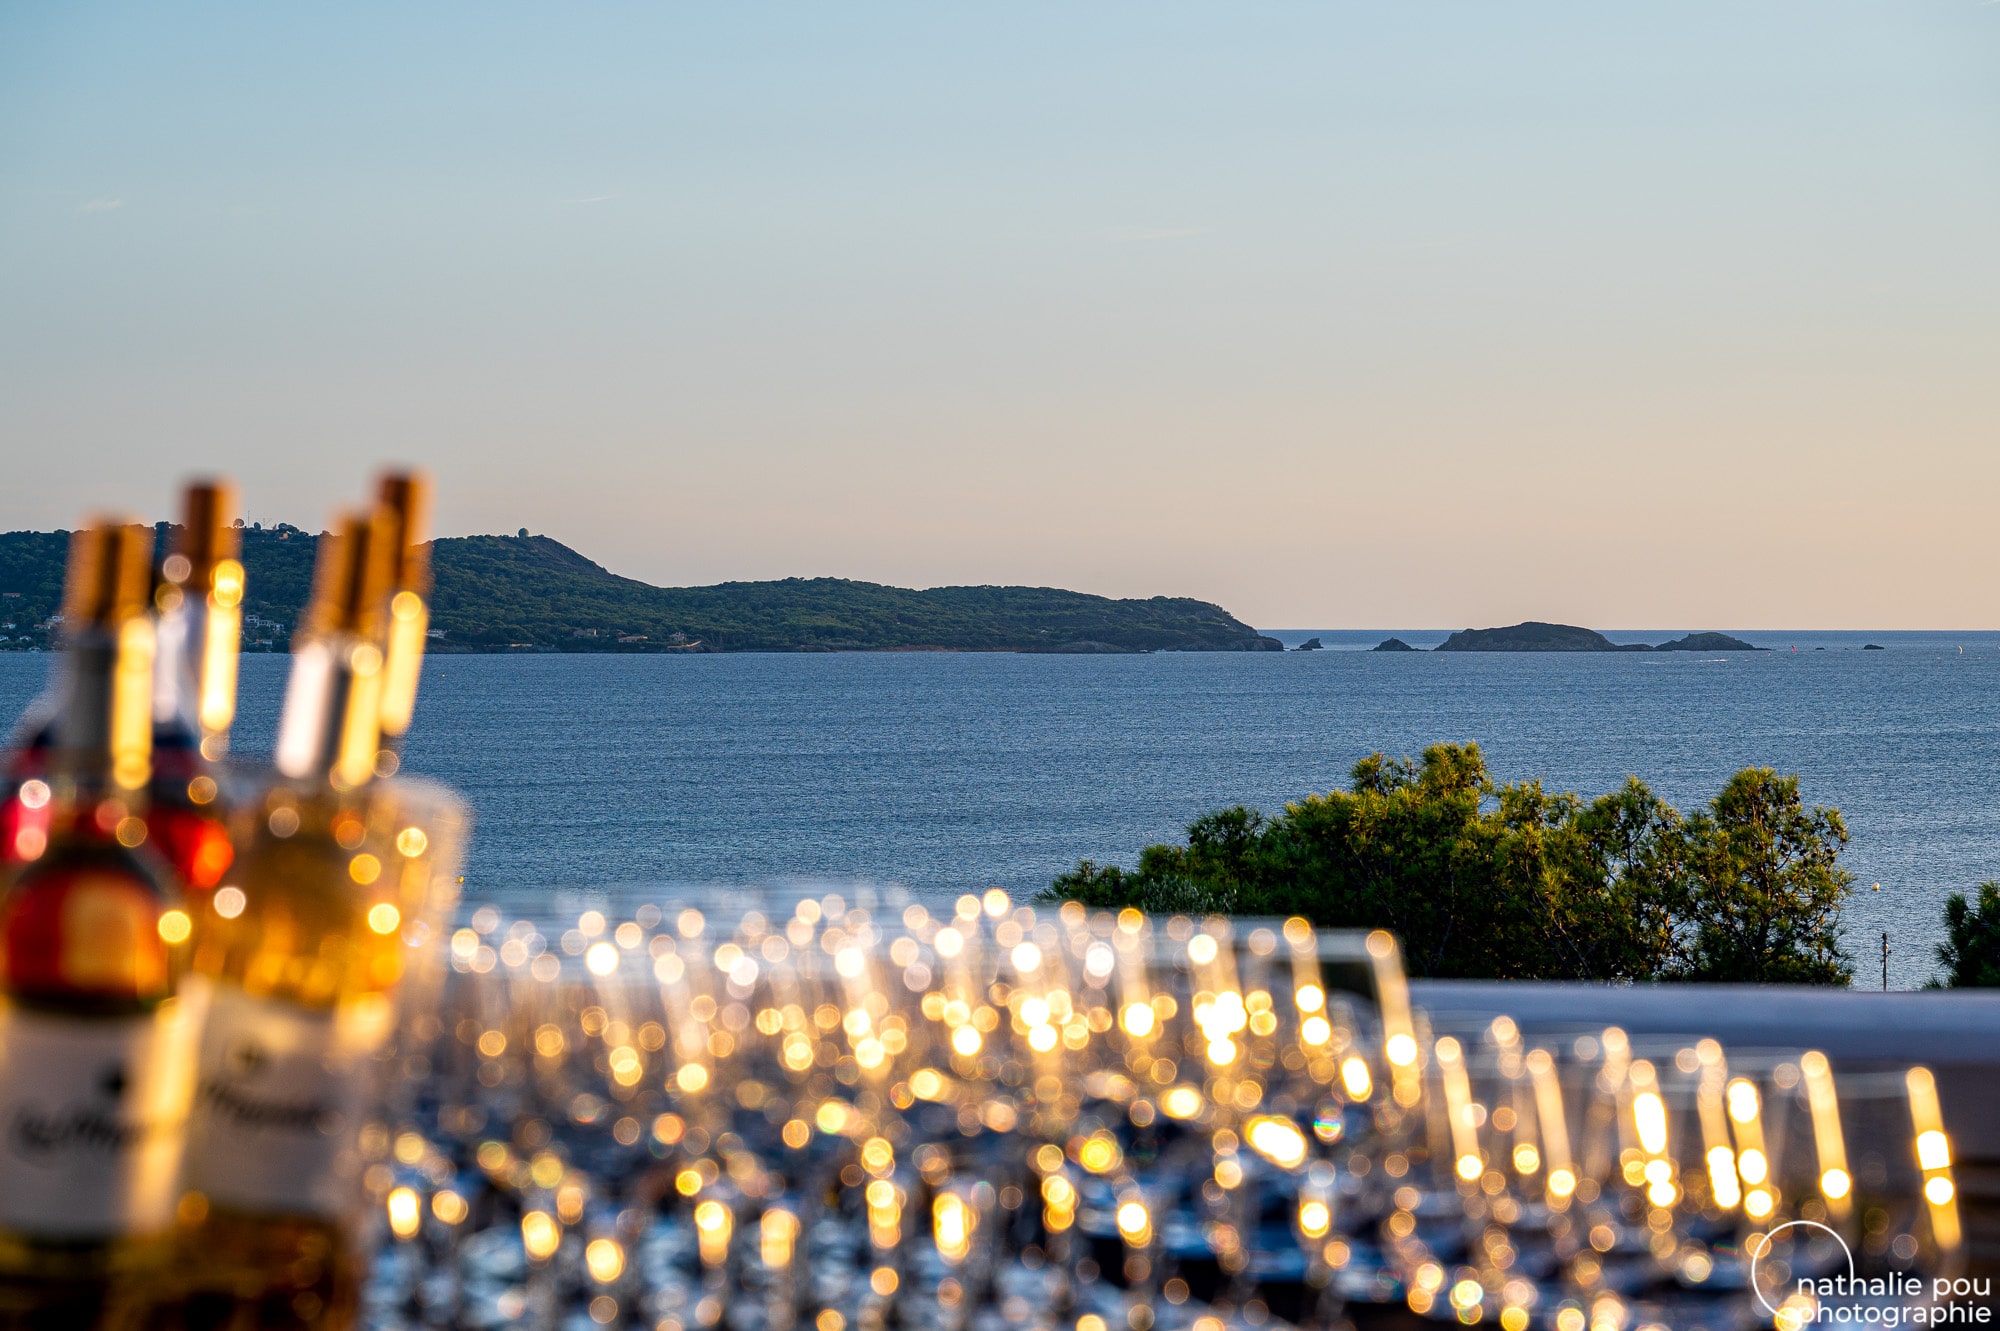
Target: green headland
531	593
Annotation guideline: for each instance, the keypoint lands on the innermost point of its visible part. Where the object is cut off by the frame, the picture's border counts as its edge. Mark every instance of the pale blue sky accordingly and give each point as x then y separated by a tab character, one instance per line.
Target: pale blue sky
1668	314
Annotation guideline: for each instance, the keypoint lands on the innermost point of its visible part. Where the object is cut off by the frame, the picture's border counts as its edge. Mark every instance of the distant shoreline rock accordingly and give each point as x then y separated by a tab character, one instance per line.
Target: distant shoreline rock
1708	642
1536	636
1531	636
1310	645
1393	645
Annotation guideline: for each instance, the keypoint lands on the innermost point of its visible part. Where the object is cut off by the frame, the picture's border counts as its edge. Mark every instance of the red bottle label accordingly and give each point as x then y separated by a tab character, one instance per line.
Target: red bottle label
88	931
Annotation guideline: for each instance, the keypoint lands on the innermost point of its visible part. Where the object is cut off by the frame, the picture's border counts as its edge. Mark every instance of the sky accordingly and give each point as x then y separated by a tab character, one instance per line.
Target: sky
1403	314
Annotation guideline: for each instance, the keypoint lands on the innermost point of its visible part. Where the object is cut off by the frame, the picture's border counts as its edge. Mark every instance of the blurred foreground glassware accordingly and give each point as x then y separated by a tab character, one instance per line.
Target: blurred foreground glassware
849	1110
1611	1181
844	1109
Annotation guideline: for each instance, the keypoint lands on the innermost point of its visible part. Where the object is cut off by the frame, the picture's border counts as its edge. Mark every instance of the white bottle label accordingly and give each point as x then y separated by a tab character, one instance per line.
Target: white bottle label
278	1099
93	1116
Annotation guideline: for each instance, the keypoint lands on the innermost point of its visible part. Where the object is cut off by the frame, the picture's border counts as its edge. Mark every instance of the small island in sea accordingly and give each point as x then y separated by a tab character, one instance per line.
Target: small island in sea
525	593
1535	636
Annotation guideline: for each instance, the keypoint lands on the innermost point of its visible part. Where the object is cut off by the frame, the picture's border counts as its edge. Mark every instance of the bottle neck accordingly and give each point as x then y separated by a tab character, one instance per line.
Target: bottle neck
330	729
86	697
102	728
174	688
194	692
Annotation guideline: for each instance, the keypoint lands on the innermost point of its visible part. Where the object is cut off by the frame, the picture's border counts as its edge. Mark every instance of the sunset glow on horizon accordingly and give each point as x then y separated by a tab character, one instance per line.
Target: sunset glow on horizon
1334	315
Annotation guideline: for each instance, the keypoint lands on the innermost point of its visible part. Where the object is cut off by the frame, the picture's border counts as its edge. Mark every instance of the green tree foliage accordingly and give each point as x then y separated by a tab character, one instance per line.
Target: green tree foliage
1510	881
1767	887
31	574
1971	950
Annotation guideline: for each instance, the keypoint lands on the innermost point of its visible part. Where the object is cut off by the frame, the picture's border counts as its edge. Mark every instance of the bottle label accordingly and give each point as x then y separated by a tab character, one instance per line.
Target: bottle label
93	1116
279	1093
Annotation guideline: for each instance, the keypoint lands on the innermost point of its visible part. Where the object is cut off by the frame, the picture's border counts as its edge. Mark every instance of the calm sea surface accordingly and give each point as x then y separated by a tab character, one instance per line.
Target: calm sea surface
589	774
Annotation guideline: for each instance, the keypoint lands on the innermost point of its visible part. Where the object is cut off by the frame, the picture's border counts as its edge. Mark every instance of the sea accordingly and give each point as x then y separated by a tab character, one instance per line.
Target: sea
603	780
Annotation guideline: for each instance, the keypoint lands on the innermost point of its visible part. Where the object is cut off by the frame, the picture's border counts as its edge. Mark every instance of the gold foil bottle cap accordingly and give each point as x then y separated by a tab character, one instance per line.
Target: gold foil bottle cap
329	566
351	577
339	731
206	539
404	498
404	508
207	565
107	592
110	574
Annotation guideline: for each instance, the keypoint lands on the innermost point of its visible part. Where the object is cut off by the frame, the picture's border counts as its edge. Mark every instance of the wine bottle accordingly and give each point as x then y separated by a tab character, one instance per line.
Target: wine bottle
97	1024
199	597
304	946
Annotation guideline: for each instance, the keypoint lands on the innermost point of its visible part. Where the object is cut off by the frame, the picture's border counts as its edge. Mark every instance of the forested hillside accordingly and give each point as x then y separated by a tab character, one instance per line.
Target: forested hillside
524	593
